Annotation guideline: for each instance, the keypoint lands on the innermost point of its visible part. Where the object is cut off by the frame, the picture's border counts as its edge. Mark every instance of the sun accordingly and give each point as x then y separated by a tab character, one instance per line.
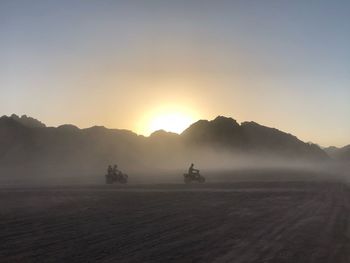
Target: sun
170	120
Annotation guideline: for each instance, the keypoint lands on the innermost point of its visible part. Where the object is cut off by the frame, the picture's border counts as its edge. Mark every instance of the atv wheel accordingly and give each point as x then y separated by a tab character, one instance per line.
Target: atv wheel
187	180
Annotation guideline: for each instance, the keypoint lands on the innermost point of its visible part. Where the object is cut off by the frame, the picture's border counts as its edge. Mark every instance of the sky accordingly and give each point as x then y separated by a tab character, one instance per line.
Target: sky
131	64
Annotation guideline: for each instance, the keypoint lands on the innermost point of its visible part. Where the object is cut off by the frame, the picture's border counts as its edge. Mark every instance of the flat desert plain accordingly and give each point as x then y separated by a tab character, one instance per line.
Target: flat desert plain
235	222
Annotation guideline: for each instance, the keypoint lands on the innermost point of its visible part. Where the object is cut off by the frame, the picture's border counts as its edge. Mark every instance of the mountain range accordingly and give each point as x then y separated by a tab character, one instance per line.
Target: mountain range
29	148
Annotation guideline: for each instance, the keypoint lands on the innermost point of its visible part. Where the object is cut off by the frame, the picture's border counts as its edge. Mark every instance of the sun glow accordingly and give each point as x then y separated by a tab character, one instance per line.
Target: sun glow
170	120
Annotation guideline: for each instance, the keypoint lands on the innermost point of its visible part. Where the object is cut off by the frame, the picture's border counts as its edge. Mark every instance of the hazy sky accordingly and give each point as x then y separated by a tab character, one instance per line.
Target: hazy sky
284	64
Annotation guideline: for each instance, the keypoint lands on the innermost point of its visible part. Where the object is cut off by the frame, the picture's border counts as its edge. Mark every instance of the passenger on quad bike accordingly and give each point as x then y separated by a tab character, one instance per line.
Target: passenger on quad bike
110	170
115	170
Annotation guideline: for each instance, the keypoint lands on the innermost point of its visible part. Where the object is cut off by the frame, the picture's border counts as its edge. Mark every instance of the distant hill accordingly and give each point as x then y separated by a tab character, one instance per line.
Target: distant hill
345	153
341	154
250	137
28	148
27	121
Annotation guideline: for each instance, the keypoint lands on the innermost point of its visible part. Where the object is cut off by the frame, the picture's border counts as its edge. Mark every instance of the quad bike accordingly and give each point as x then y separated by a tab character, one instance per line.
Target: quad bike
117	178
197	177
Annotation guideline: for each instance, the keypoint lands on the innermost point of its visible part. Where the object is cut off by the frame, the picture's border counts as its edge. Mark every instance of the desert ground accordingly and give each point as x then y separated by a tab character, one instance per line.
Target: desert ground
232	222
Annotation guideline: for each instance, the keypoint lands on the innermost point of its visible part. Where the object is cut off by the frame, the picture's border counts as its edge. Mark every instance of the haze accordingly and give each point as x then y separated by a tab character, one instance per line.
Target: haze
123	64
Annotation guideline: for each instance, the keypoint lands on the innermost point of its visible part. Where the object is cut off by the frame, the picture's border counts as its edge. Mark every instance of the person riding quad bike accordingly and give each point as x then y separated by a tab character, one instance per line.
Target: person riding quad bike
115	176
192	171
193	175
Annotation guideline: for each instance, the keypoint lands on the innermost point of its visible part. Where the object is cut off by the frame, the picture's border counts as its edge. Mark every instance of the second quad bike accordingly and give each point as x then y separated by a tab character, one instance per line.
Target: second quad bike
116	178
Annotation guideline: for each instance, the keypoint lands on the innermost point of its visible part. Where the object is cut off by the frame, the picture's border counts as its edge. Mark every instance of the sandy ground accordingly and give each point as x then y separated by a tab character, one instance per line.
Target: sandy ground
252	222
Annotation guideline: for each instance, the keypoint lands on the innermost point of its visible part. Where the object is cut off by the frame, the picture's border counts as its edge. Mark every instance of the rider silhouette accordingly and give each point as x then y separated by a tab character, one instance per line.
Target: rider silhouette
115	170
193	171
110	170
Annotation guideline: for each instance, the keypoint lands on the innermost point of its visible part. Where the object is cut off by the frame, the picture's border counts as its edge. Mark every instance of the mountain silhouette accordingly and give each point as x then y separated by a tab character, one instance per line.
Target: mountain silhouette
340	154
220	132
27	121
28	148
250	137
